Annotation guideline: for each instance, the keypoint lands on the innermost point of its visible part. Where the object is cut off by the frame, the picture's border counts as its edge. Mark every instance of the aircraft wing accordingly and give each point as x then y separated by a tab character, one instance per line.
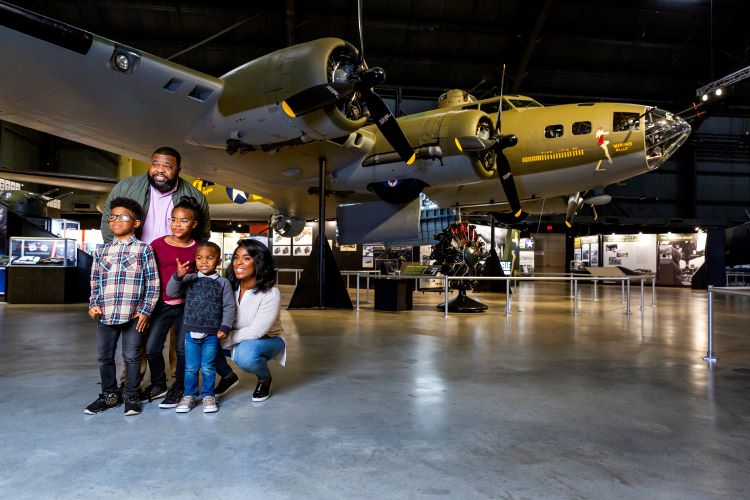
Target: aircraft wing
71	181
76	85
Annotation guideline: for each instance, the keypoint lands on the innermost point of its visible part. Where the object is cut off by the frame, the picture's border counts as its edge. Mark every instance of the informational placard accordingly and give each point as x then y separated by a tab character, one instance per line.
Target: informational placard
679	257
304	238
633	251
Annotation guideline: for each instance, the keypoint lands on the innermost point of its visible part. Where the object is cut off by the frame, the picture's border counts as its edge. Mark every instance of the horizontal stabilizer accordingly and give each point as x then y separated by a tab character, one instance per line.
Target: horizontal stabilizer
378	221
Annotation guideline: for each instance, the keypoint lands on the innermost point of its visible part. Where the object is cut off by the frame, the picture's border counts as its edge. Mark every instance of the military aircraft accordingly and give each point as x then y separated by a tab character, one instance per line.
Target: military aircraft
30	204
225	203
270	125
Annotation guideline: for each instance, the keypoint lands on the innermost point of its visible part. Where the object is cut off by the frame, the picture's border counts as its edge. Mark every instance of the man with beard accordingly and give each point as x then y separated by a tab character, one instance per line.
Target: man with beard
157	191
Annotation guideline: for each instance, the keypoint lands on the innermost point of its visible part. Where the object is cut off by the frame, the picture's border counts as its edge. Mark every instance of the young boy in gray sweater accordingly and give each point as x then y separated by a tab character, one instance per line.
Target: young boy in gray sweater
209	314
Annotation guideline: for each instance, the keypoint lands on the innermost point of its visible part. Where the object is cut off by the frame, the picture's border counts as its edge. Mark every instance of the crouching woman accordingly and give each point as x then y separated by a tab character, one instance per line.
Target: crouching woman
256	337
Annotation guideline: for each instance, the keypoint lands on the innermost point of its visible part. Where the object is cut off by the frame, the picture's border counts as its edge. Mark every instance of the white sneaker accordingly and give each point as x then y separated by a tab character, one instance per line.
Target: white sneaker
209	404
186	404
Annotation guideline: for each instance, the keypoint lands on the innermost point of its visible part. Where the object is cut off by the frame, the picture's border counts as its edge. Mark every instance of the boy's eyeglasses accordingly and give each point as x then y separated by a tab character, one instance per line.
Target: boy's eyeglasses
179	222
122	217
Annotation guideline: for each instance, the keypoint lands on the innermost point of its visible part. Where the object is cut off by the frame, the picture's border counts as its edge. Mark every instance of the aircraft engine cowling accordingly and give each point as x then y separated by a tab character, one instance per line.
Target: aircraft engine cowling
248	115
468	123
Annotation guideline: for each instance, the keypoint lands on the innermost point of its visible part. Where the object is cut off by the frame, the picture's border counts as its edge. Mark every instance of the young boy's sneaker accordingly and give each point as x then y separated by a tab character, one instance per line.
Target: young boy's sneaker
153	392
209	404
172	398
186	404
262	390
132	405
103	402
226	383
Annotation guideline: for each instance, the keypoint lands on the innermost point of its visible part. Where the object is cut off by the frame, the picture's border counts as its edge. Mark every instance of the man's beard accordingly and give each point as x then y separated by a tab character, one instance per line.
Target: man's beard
164	186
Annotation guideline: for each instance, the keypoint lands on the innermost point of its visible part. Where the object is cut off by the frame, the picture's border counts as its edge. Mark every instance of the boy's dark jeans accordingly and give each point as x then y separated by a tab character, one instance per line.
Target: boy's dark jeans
164	316
106	346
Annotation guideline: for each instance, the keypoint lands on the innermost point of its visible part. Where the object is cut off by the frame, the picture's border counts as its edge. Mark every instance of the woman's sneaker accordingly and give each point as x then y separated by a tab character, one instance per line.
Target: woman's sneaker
172	398
226	383
132	405
104	402
209	404
262	390
186	404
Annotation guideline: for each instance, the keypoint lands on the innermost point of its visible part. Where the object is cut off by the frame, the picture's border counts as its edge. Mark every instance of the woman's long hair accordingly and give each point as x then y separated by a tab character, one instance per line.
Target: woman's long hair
265	267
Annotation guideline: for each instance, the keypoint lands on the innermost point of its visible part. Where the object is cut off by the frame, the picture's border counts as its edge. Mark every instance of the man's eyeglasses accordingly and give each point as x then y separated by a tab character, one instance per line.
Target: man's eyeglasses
122	217
179	222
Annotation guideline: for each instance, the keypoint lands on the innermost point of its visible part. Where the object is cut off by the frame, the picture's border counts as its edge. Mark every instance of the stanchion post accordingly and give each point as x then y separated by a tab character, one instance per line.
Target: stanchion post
627	297
367	292
642	293
710	355
357	291
507	296
653	291
445	312
575	297
596	281
622	291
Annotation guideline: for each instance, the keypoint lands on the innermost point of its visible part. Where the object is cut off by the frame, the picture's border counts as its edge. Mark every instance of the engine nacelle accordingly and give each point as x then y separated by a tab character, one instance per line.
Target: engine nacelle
249	115
288	227
470	122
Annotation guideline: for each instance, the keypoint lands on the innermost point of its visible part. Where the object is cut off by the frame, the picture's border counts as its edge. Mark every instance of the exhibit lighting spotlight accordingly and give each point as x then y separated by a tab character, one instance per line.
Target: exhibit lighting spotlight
705	97
718	92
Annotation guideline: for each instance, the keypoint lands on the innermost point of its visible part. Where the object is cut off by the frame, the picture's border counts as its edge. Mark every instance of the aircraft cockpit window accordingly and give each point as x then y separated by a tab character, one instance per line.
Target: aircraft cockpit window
553	131
525	103
626	121
581	128
491	107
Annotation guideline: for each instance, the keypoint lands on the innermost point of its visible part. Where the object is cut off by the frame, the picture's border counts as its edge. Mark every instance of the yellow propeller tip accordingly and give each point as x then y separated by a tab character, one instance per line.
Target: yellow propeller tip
458	145
411	160
518	214
287	110
568	224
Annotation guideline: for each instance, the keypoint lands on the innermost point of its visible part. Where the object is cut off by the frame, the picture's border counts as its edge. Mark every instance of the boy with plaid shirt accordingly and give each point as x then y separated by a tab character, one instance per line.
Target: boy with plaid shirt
124	291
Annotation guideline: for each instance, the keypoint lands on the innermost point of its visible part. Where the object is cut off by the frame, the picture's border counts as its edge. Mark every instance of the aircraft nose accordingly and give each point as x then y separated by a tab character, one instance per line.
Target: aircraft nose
665	133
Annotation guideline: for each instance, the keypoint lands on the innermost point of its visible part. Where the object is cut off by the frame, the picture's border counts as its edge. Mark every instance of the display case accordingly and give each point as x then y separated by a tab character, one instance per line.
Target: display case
43	252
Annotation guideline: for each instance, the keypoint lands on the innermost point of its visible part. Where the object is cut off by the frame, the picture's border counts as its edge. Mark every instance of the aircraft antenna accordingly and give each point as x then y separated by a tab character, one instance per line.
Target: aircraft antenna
500	102
361	38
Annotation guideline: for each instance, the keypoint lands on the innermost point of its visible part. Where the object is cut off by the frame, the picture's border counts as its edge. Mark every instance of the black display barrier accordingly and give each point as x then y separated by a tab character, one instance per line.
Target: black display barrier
47	285
393	294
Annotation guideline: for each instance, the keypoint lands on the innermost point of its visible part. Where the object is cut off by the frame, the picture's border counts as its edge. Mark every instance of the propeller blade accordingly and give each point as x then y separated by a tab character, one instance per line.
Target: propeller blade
509	185
473	143
317	97
389	127
574	202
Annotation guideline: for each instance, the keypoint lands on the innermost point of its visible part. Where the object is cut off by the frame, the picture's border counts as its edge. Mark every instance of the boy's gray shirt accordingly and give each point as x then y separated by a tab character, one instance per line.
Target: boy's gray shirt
177	287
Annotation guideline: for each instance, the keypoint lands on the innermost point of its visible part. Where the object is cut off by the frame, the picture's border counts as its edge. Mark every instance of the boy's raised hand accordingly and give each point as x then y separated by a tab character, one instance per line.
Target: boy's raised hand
95	312
182	268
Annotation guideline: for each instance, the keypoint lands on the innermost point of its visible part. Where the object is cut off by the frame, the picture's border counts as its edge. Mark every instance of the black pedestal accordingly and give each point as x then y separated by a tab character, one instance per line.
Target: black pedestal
393	295
463	304
46	285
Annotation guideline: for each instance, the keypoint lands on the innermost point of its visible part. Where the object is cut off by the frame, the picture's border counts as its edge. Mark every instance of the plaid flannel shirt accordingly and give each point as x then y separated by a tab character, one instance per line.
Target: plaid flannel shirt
124	280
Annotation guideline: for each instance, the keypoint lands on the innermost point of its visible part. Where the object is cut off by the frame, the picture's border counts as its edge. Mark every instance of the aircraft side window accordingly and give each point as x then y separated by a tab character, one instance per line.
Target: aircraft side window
622	121
553	131
581	128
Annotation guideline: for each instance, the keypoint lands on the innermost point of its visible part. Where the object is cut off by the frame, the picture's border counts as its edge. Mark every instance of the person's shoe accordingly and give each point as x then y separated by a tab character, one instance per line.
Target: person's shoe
262	390
132	405
186	404
209	404
153	392
104	402
172	399
226	383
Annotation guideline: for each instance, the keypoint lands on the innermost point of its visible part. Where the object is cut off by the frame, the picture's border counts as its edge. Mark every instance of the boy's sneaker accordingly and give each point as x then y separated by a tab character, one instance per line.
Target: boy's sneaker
209	404
172	399
186	404
226	383
153	392
262	390
132	405
103	402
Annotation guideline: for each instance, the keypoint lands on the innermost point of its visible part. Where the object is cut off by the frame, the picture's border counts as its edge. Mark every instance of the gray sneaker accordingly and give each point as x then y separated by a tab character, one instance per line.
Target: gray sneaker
186	404
209	404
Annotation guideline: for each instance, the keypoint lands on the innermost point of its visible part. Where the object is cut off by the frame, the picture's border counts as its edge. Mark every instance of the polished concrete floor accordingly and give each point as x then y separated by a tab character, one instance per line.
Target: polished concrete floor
541	404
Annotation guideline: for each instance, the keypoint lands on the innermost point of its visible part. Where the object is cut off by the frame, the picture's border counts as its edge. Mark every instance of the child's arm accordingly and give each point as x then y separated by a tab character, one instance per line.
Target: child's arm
227	316
177	284
95	301
151	280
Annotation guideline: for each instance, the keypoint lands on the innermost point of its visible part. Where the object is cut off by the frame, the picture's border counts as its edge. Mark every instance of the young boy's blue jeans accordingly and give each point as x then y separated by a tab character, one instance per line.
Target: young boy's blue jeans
200	355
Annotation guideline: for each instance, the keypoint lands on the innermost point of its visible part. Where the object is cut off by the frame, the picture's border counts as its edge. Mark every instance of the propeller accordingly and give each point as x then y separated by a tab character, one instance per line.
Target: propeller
496	145
592	199
361	81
